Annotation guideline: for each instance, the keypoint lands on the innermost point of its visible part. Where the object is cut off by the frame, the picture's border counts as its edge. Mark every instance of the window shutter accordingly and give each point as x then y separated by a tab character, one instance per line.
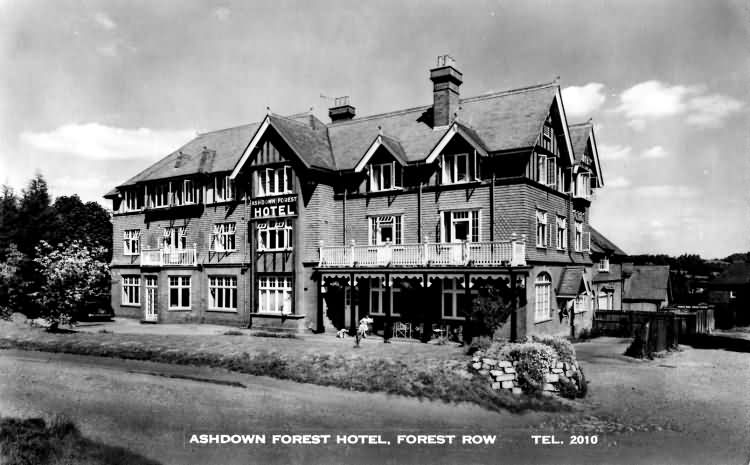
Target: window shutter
551	171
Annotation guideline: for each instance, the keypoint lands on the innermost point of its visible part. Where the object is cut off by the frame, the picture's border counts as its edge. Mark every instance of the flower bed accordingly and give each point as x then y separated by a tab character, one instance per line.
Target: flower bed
546	365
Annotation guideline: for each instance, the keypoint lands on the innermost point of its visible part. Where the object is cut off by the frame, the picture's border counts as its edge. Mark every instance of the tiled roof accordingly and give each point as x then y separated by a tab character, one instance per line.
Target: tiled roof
499	121
225	149
571	282
648	282
600	244
735	274
579	136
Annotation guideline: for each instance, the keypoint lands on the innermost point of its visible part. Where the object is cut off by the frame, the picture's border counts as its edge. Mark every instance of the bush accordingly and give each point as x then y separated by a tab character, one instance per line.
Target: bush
533	362
565	350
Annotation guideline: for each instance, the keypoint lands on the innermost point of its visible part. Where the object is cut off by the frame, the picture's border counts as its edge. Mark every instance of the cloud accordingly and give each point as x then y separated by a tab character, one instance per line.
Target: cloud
618	182
710	110
614	152
581	101
666	191
656	151
104	21
222	13
652	100
98	142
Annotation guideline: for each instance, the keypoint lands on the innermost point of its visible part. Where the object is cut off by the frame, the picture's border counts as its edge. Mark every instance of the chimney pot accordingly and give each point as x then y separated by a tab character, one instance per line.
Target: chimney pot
341	109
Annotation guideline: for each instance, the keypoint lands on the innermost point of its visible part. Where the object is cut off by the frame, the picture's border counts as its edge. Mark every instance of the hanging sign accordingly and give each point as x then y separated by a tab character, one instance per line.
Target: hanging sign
273	207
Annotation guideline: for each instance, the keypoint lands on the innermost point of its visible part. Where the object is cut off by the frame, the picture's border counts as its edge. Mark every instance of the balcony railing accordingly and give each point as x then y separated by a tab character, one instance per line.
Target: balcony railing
169	257
497	253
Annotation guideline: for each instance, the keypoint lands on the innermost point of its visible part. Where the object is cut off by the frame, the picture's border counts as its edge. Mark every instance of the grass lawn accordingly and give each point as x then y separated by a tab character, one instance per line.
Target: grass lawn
409	369
34	442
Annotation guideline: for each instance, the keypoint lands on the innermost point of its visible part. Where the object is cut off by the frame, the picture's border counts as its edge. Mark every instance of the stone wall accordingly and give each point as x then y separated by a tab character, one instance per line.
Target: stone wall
502	374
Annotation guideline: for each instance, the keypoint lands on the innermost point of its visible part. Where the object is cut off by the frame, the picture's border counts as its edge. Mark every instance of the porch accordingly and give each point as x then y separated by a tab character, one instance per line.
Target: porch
495	253
422	304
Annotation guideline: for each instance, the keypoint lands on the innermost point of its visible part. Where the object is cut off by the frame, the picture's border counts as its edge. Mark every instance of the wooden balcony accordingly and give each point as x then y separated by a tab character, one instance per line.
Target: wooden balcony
497	253
169	257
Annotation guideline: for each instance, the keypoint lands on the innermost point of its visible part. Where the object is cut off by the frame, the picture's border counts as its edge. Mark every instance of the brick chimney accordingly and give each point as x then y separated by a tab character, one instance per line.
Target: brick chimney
341	110
446	80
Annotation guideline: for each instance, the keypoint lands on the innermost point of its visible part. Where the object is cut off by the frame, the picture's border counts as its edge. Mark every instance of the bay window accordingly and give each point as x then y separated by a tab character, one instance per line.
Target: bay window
274	181
274	235
385	229
275	294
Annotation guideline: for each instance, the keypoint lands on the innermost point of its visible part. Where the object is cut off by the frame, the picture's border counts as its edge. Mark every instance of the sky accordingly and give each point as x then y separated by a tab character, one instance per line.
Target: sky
92	92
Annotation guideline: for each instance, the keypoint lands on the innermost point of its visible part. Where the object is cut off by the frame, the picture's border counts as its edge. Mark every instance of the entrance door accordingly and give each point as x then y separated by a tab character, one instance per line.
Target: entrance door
150	312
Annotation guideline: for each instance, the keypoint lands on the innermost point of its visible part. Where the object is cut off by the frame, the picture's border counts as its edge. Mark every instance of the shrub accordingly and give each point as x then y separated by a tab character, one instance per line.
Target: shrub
482	343
533	362
233	332
565	350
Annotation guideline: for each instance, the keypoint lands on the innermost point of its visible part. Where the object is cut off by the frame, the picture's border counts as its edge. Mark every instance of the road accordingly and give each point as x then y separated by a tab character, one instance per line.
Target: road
153	409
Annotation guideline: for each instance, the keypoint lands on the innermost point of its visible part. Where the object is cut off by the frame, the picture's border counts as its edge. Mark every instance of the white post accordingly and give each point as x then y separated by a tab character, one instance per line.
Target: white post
425	249
351	253
195	253
465	252
320	256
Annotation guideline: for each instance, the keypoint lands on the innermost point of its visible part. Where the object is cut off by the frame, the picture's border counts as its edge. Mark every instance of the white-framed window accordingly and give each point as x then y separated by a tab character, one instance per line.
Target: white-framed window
459	226
549	142
175	238
223	237
385	229
274	181
541	168
551	172
274	234
131	239
542	230
562	233
275	294
131	290
604	265
457	169
606	299
542	294
581	303
223	189
184	192
377	298
583	185
179	292
222	293
158	195
385	176
453	300
132	200
579	236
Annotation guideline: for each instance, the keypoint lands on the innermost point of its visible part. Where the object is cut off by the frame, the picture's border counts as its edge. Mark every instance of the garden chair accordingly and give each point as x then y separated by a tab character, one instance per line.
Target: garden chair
402	330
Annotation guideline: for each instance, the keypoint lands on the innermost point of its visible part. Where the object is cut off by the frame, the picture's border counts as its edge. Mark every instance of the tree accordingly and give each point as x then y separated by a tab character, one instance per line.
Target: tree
10	283
36	216
9	218
87	222
490	310
71	276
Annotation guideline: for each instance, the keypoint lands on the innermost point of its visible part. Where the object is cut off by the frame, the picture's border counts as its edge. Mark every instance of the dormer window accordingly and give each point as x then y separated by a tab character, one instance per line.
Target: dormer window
158	195
274	181
385	176
459	168
223	189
